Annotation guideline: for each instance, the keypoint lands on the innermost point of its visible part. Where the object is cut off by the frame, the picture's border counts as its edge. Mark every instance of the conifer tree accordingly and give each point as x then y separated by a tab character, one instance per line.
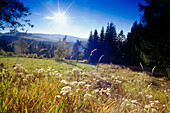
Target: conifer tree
155	40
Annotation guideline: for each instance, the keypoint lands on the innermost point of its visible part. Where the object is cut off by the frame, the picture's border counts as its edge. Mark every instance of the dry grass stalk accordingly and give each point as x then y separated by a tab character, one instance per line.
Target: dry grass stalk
43	49
153	69
99	61
28	46
141	66
91	54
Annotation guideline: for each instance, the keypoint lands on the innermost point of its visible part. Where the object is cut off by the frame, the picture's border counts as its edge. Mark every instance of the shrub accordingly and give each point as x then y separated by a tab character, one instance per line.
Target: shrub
10	54
2	52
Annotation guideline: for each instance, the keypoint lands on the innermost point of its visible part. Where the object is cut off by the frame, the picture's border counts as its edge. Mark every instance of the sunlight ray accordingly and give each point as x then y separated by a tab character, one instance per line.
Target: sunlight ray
48	8
58	6
68	7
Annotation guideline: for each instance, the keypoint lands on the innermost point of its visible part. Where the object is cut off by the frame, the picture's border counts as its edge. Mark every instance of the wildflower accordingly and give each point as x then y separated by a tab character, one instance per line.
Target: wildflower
107	93
118	81
57	96
133	101
152	104
79	83
87	96
65	90
108	89
94	79
113	76
149	96
157	101
96	91
153	110
72	83
64	82
147	106
87	85
48	69
126	100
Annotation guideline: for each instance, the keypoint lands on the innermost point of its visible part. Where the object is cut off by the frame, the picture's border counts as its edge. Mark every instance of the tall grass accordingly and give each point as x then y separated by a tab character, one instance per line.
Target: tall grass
72	87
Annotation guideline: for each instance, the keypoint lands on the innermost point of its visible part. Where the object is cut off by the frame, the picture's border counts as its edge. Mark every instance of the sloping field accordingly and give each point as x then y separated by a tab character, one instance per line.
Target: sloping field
45	85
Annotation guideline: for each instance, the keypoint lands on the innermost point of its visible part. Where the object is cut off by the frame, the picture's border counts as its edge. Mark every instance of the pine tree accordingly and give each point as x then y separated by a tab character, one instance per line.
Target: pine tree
155	40
101	41
89	46
110	44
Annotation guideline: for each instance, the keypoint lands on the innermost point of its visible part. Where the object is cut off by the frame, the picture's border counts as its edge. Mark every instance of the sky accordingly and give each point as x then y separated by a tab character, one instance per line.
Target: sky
79	17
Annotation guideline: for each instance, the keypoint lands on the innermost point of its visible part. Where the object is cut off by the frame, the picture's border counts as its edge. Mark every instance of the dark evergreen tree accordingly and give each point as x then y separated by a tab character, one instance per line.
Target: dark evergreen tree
155	40
110	44
89	46
130	53
101	43
95	45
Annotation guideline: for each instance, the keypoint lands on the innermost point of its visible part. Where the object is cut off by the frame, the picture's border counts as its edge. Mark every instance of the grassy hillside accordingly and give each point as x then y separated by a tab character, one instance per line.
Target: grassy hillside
45	85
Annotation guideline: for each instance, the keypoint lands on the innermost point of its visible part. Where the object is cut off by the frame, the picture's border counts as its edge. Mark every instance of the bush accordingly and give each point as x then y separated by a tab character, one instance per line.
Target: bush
2	52
10	54
22	55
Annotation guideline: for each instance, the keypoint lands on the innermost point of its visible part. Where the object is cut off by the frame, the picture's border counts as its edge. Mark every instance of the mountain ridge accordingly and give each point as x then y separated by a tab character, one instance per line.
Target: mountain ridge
46	37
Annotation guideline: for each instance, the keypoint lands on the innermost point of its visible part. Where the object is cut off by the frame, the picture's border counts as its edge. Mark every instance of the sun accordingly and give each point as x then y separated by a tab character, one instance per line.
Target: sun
60	19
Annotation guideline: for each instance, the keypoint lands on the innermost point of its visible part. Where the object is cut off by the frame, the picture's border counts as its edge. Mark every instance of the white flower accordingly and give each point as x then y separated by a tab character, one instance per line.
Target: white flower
87	95
87	85
108	90
157	101
153	110
149	96
126	100
72	83
48	69
133	101
118	81
147	106
94	79
79	83
113	76
65	90
96	91
57	96
152	104
64	82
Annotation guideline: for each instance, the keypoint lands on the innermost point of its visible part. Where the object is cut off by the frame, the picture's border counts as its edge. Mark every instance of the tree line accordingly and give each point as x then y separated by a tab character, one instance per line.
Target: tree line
148	42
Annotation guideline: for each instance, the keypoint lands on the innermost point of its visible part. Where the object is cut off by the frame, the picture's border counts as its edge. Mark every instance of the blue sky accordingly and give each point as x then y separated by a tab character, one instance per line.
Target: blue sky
81	16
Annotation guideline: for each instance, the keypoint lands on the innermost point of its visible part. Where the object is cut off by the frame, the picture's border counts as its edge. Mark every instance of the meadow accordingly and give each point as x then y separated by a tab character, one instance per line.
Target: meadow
45	85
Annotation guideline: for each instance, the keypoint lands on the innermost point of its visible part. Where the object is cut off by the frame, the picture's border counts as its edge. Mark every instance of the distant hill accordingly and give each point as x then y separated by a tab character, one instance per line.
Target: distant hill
46	37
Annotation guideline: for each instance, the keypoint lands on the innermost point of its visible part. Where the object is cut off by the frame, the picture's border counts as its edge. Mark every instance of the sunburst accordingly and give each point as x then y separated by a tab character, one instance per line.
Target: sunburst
58	18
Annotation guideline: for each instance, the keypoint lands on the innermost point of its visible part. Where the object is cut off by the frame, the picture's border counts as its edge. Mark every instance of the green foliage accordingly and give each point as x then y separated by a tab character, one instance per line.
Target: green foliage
2	52
21	46
77	50
10	54
107	44
12	13
155	39
62	48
